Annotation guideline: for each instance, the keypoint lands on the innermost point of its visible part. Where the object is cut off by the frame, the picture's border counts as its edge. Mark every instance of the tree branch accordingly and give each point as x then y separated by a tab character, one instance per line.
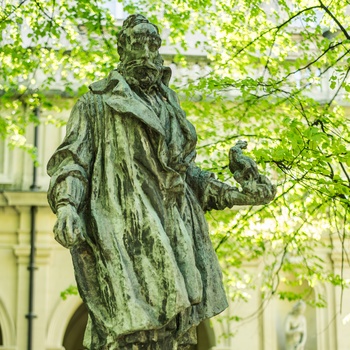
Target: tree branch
345	172
232	137
310	63
326	9
13	11
277	28
52	20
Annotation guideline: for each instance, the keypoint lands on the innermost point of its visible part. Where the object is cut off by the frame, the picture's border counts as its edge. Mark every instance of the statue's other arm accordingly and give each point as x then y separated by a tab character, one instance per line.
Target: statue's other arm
214	194
69	169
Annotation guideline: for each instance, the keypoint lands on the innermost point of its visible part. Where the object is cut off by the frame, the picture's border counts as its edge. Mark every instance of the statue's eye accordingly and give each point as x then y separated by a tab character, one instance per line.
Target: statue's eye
137	46
153	47
154	44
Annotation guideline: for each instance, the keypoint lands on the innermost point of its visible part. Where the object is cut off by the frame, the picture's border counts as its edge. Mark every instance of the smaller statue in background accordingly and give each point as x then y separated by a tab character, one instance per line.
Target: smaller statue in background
296	327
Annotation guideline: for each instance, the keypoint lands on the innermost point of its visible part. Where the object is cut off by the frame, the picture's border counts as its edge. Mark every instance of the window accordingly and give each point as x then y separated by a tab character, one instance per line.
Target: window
116	8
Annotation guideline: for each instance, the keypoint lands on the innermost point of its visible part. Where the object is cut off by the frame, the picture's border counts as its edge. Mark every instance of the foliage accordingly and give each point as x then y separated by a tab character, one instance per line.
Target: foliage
70	290
279	78
46	48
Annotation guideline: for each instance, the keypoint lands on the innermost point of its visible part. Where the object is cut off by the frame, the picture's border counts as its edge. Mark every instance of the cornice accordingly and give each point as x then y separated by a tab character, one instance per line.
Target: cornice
23	198
42	254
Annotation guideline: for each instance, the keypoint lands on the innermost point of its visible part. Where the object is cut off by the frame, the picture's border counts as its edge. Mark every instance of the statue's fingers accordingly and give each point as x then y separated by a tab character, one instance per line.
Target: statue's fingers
69	232
78	229
79	234
59	232
55	228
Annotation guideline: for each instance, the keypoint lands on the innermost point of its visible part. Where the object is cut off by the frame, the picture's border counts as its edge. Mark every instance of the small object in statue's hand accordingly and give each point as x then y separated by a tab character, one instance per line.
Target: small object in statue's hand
242	167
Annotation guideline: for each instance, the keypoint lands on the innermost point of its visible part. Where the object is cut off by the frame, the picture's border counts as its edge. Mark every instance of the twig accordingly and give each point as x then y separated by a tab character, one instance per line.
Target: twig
345	172
48	16
277	28
326	9
234	137
13	11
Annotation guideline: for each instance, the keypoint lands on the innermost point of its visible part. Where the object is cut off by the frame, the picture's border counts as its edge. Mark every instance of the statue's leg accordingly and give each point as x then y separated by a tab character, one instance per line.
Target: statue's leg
165	344
188	339
165	338
159	339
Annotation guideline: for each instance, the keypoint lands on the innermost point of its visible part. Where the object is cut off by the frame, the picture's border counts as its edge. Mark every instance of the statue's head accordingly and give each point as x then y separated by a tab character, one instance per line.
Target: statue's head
299	307
138	48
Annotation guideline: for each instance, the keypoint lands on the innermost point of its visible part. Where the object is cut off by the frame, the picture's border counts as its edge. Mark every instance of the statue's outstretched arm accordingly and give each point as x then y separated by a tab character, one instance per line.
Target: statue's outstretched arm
257	189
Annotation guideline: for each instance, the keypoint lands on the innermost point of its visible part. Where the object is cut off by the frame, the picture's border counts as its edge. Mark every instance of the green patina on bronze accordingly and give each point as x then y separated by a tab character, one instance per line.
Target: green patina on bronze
130	203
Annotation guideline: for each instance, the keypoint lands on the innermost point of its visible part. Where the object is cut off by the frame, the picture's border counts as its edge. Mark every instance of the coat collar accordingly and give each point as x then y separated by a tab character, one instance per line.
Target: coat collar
120	97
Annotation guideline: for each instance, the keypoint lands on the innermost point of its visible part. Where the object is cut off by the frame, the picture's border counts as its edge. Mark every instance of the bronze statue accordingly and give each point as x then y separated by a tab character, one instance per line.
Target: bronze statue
130	204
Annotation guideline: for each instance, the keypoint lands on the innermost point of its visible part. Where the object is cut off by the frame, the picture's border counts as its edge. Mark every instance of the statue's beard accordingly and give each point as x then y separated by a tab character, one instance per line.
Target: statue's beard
142	74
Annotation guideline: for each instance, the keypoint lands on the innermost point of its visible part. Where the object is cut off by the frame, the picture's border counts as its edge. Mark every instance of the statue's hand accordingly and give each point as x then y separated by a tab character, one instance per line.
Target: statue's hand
262	190
69	228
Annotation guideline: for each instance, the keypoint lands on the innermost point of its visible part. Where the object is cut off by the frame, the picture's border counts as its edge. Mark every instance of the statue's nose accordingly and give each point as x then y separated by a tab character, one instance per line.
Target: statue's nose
146	52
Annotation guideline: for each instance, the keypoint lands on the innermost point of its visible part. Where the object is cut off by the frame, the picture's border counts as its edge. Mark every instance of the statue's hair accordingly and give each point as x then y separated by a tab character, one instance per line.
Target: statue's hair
128	24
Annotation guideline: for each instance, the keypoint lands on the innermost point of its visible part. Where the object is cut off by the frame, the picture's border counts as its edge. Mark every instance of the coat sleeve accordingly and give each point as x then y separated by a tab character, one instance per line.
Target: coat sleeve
70	166
214	194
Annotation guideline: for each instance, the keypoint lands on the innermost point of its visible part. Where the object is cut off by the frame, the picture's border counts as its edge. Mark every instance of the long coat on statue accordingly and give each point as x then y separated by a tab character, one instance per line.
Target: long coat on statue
129	170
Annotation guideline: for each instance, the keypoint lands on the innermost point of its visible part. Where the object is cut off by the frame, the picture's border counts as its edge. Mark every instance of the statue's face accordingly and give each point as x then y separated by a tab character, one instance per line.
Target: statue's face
299	308
142	62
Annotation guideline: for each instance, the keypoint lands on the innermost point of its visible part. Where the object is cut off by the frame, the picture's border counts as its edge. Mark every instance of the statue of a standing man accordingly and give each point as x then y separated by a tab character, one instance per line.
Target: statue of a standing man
130	204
